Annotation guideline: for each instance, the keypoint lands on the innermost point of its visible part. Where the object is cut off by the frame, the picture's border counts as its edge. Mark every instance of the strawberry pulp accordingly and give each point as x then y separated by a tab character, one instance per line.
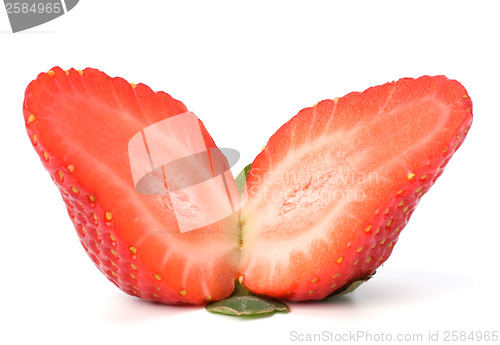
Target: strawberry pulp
329	208
326	199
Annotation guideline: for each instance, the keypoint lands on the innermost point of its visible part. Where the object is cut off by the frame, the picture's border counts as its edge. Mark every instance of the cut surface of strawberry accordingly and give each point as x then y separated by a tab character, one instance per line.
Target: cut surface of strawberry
334	187
325	201
80	123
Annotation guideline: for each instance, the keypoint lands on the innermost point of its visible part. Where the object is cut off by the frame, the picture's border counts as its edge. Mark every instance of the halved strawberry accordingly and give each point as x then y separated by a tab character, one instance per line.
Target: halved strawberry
80	123
334	187
326	199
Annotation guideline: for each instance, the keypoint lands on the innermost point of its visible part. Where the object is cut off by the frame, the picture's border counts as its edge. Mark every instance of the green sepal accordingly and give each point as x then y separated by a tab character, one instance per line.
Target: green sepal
244	303
349	287
241	179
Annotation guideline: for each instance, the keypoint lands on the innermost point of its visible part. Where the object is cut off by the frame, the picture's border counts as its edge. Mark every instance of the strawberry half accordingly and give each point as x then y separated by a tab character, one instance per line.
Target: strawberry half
80	123
336	185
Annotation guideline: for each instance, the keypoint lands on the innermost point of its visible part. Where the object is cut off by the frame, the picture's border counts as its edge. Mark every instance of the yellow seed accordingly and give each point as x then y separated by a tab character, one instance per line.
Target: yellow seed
360	249
423	177
466	130
51	73
401	203
315	105
411	176
339	260
46	155
132	275
356	262
333	286
114	253
31	118
208	298
400	192
335	276
157	288
374	245
240	279
132	249
183	292
74	189
109	216
66	72
155	295
113	239
80	72
418	189
445	149
390	245
380	258
157	276
369	259
60	173
376	232
134	267
83	228
465	96
263	148
397	229
387	211
405	209
336	99
91	198
133	85
389	223
112	263
368	228
310	292
35	138
95	216
71	168
383	241
420	194
314	280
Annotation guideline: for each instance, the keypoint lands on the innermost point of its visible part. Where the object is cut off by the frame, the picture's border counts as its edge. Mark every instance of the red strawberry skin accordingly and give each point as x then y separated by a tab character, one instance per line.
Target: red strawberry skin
300	248
79	123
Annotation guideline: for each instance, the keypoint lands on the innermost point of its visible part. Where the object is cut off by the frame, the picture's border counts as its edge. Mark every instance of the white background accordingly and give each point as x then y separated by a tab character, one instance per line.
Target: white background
245	69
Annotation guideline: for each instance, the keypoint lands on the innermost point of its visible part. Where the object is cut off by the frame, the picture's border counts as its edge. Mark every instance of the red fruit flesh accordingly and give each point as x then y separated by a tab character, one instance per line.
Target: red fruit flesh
80	123
334	187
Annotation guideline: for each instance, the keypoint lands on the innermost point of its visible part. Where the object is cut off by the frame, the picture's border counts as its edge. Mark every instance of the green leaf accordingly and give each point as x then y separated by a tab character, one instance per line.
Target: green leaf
241	179
349	287
244	303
